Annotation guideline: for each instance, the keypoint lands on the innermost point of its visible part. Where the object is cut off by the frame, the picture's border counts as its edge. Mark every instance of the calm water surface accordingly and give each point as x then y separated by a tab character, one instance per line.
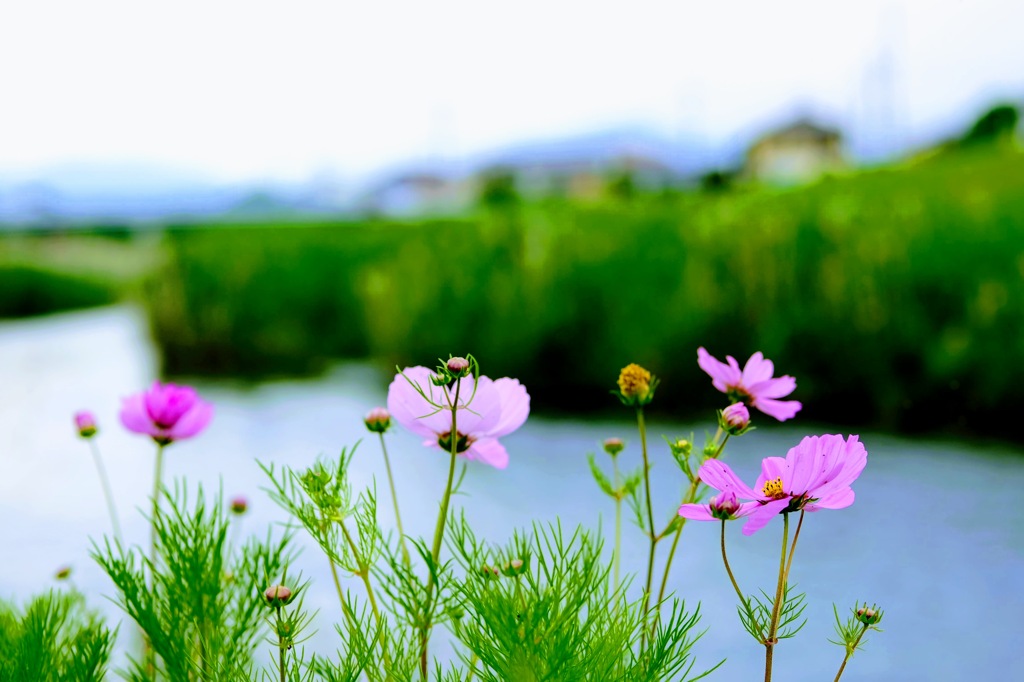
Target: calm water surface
935	536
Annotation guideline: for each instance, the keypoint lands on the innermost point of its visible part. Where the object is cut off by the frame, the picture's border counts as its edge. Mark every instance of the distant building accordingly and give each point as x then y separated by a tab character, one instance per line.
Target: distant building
417	193
799	152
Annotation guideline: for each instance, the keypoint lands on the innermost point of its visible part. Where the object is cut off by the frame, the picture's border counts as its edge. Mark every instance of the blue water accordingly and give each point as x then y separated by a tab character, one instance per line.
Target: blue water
935	536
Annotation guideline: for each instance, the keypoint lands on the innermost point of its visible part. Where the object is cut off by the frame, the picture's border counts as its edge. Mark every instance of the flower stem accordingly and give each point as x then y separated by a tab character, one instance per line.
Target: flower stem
148	654
394	498
105	482
618	520
435	552
341	595
773	626
280	647
691	495
849	652
650	517
364	573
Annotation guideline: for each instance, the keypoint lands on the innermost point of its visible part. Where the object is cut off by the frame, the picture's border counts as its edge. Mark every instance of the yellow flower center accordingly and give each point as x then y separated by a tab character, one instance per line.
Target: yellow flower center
634	381
773	489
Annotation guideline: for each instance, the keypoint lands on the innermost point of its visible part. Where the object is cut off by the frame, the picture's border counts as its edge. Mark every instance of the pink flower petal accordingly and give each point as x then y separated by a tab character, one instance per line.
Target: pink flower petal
696	512
718	475
778	387
757	369
488	451
515	407
772	468
135	417
779	409
722	375
839	499
411	410
193	421
759	518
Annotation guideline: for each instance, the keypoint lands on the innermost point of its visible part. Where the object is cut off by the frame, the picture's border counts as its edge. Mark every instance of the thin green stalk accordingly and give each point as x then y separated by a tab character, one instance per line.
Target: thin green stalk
732	578
442	517
650	514
618	520
107	493
849	652
364	573
773	627
394	498
149	655
691	495
341	595
280	647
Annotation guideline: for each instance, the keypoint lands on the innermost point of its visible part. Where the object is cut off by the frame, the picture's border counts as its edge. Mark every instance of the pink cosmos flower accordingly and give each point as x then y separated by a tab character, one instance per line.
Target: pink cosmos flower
498	408
753	384
814	475
736	417
166	412
85	422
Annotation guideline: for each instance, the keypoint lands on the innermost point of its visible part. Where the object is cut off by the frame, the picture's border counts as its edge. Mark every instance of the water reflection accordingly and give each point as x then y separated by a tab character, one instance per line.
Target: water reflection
934	537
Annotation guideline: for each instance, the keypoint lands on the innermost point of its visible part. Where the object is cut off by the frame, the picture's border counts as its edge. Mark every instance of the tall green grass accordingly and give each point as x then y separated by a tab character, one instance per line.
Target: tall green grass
894	296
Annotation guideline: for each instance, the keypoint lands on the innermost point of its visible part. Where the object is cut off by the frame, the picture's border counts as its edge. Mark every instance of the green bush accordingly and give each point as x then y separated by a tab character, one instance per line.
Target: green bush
894	296
29	290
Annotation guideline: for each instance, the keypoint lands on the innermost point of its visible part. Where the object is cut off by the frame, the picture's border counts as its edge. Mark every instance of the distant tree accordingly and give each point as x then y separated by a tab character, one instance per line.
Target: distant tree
498	189
995	125
717	180
622	185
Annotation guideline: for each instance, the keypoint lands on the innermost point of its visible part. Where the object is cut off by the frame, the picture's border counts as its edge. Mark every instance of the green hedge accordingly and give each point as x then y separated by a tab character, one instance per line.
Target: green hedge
894	296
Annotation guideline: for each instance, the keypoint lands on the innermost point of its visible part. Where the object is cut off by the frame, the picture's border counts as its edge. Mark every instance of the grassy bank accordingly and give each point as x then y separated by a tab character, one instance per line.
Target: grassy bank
894	296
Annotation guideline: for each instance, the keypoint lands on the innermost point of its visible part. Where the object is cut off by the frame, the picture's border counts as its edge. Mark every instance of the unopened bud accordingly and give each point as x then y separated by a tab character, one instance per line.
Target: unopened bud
489	572
725	505
239	505
85	422
735	419
277	595
63	573
869	615
613	446
514	568
377	420
459	367
682	447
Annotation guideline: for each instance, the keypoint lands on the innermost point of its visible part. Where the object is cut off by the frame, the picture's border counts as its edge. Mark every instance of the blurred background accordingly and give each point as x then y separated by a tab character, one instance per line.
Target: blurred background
281	202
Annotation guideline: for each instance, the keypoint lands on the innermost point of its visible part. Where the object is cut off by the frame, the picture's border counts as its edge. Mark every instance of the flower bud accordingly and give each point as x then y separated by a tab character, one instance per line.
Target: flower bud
489	572
725	505
635	385
277	595
514	568
459	367
681	446
239	505
869	615
613	446
85	422
63	573
735	419
377	420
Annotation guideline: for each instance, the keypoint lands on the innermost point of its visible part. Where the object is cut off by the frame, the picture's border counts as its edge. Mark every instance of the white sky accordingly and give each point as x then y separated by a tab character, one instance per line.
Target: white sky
283	90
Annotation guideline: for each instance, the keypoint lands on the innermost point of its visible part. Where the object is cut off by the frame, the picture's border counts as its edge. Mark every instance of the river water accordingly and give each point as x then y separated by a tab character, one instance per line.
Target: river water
936	536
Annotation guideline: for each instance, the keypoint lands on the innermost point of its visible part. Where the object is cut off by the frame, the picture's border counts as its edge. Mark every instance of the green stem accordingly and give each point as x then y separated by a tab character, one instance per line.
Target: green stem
435	552
773	627
107	493
341	595
650	516
394	498
691	495
280	647
149	655
618	520
849	652
364	573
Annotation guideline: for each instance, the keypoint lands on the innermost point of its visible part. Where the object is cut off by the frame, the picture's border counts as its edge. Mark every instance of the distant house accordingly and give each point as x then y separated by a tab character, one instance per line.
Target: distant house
799	152
417	193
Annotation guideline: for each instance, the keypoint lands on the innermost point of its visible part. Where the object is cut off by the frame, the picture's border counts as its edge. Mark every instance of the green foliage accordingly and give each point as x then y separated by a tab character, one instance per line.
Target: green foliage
756	614
998	124
559	618
879	269
29	290
54	639
201	606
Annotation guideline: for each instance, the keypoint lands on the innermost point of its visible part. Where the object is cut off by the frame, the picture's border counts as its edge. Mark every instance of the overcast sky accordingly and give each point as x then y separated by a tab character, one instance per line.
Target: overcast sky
286	90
